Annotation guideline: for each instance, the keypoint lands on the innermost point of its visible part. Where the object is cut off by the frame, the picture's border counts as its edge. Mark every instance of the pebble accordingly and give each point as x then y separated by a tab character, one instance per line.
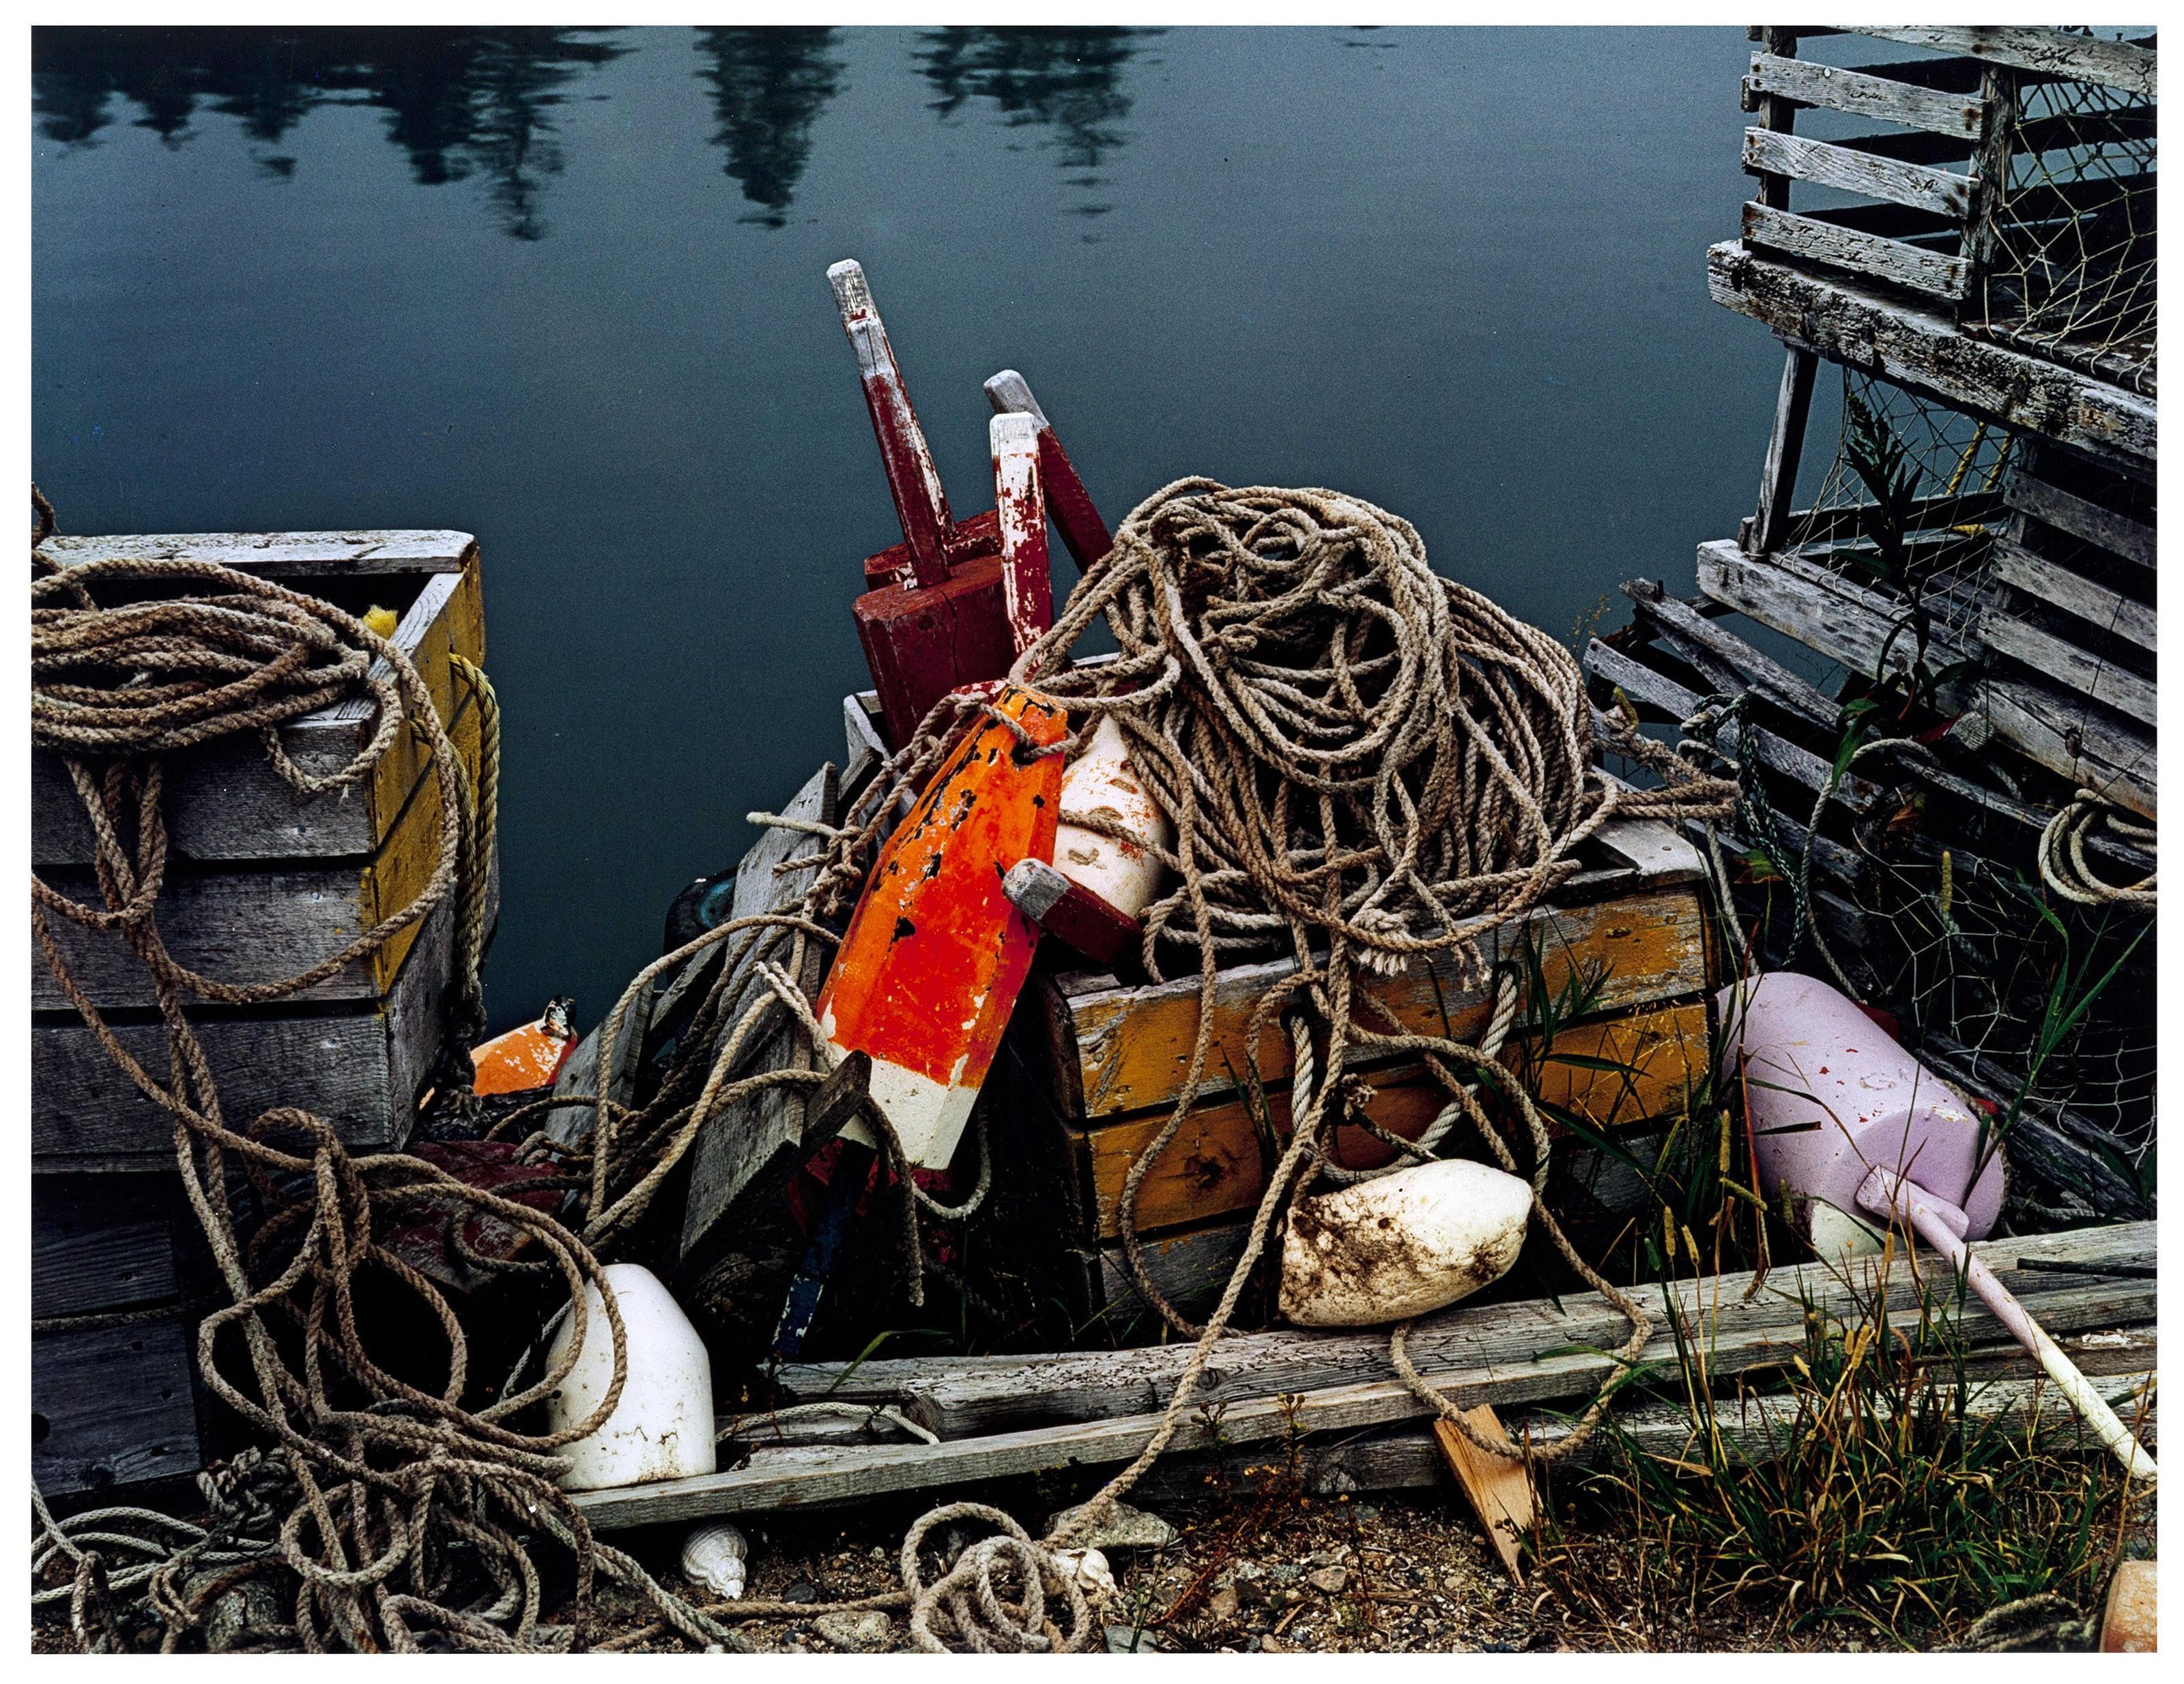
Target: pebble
1124	1528
1273	1645
1331	1579
1285	1573
802	1591
1123	1640
1223	1602
1366	1512
864	1632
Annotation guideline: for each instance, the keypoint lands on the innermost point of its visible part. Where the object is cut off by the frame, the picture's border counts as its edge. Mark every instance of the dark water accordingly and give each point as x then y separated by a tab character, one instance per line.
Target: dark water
564	289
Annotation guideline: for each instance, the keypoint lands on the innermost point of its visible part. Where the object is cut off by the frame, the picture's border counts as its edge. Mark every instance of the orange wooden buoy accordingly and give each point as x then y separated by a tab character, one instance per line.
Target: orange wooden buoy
525	1058
935	954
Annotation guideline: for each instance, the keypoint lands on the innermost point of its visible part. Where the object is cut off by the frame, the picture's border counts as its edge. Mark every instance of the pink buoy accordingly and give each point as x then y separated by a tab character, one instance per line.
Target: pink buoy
1854	1130
1831	1097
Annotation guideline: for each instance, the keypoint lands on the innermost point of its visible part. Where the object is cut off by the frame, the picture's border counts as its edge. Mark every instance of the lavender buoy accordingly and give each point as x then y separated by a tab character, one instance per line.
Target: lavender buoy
1853	1132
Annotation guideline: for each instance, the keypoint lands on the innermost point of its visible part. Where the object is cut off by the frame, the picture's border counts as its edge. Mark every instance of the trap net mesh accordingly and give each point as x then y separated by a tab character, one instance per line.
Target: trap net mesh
1909	501
2070	270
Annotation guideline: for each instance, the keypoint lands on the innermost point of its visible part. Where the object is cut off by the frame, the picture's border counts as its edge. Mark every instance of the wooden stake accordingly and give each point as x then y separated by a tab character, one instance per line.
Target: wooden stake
1499	1490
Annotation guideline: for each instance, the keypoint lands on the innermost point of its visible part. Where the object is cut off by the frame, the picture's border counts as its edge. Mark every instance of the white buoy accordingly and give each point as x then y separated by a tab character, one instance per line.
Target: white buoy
714	1556
1101	783
662	1424
1401	1244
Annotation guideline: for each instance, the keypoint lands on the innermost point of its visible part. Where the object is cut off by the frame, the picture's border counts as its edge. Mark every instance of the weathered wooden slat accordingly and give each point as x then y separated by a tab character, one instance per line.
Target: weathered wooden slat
279	555
1117	1050
360	1069
1854	793
2059	587
1213	1166
225	801
2050	52
999	1393
111	1406
1825	165
1865	95
100	1245
1763	672
2081	517
2045	653
1754	1429
1785	447
1263	1401
1922	350
1847	623
743	1137
1889	260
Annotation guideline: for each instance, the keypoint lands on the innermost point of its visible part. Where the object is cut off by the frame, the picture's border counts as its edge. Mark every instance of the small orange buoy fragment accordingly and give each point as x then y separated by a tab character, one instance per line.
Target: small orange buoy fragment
527	1058
935	955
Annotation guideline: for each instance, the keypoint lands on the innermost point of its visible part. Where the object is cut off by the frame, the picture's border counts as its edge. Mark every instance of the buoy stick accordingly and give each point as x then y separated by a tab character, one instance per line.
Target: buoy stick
1027	589
1083	531
1942	1225
912	480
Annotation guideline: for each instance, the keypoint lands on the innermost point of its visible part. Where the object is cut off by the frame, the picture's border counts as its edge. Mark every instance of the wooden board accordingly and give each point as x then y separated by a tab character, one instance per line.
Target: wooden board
1917	185
1848	623
279	555
2081	517
1823	240
1865	95
1498	1488
1740	1334
2048	52
2045	653
1913	347
1117	1050
359	1069
743	1138
1214	1165
100	1244
225	801
243	925
111	1407
960	1397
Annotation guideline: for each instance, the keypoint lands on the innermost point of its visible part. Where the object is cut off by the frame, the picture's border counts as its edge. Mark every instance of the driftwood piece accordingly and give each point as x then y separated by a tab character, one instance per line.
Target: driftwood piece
1741	1335
1943	192
743	1137
1498	1488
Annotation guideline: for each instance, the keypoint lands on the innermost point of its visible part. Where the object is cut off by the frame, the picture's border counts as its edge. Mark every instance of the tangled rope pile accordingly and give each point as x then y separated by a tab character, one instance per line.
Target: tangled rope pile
412	1514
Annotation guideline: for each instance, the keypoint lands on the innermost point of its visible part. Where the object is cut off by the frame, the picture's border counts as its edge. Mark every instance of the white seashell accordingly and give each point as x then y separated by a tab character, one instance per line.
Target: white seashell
713	1556
1402	1244
1089	1568
662	1424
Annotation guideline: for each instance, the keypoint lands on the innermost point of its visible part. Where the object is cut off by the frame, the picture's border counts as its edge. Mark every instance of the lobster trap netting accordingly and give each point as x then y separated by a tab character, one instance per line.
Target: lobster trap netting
1907	504
2070	271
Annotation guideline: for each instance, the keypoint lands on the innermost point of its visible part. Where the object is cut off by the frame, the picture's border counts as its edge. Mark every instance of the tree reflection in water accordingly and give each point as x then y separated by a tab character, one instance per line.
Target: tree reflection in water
769	87
461	102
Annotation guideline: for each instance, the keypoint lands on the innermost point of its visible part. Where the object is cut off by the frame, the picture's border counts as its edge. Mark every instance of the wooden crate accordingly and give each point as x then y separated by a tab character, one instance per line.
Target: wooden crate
1099	1062
263	882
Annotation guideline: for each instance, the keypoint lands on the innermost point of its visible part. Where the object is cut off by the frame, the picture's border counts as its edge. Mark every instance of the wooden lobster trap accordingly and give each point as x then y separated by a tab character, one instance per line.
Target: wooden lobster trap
1623	952
263	882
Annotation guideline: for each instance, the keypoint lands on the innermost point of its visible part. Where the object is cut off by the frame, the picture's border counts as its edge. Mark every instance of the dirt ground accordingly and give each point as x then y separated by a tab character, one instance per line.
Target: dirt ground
1406	1572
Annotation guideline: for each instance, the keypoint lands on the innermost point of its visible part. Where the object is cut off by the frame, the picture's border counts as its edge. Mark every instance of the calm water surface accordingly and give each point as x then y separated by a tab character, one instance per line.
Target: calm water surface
564	289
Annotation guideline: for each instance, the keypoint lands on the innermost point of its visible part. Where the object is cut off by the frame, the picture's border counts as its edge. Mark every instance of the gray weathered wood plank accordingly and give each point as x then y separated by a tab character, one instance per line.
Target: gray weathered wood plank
1922	349
1865	95
1740	1336
1944	275
2049	52
1785	447
100	1245
955	1399
743	1137
278	555
2082	518
358	1069
111	1406
1825	165
2045	653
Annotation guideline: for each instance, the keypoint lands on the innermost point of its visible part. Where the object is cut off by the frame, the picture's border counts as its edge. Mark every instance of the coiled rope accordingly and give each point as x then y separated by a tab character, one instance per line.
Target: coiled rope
2064	868
412	1517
